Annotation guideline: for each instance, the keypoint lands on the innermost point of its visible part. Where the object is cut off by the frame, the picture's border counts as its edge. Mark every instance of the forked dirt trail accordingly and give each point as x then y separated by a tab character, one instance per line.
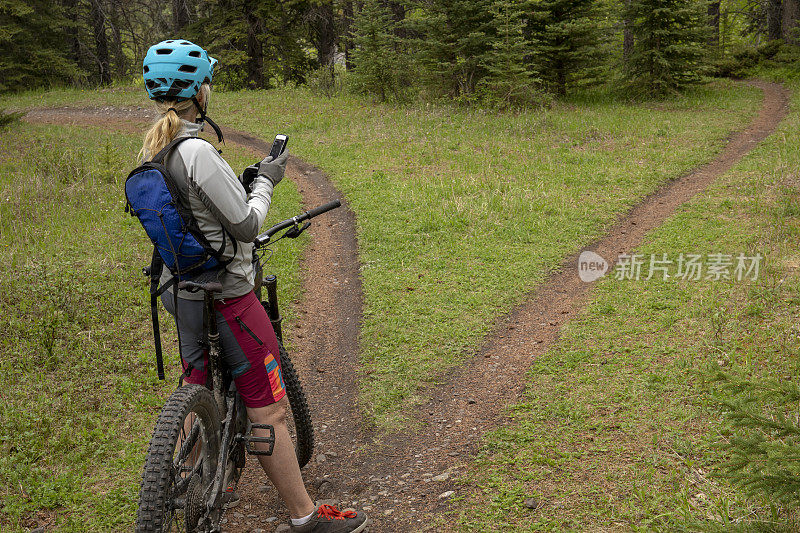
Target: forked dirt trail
472	401
400	477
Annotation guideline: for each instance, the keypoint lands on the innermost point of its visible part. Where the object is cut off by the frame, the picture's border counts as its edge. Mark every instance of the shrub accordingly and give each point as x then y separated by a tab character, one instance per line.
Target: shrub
7	119
328	82
762	437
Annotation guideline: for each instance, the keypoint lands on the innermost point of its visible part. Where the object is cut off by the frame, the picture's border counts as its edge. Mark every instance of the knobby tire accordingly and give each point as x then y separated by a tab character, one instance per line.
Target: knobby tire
301	414
155	512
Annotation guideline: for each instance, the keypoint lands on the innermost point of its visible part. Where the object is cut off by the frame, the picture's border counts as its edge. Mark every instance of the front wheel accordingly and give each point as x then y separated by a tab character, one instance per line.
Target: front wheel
181	462
300	427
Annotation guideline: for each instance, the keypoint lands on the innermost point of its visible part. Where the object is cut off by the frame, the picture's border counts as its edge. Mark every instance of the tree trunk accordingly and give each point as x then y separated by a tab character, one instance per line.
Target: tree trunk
627	35
346	38
120	61
71	9
561	82
180	16
791	13
713	22
100	41
255	51
773	20
399	15
324	33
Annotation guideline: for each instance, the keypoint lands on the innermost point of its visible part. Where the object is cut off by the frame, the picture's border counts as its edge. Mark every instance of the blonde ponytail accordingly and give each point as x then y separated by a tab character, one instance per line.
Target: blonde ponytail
169	125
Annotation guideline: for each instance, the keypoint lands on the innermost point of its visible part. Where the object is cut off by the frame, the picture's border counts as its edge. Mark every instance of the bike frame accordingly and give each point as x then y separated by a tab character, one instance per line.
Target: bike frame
235	426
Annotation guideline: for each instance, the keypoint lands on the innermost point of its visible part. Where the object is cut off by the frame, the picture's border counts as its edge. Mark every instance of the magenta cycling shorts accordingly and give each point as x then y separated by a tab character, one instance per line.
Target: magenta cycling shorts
250	347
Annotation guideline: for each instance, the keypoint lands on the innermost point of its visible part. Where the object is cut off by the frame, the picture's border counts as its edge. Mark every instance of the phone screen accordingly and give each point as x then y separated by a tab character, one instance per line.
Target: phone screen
279	145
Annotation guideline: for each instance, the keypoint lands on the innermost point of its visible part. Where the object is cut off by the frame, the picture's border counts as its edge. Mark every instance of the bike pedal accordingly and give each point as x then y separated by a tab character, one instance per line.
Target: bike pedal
248	439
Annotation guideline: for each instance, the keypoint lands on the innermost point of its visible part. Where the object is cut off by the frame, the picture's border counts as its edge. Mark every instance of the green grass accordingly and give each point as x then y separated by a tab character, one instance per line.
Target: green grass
461	213
80	394
619	429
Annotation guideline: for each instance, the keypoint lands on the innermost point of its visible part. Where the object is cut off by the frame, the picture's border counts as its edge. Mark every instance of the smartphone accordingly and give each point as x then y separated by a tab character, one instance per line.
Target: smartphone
278	145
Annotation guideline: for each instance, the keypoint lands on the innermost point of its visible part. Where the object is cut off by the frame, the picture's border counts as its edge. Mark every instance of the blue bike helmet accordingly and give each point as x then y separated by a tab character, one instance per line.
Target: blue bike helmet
175	69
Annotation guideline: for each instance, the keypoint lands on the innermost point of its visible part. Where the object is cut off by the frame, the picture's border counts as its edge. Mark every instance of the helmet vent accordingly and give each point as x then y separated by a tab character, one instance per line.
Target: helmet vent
187	68
181	84
146	69
194	53
185	42
164	51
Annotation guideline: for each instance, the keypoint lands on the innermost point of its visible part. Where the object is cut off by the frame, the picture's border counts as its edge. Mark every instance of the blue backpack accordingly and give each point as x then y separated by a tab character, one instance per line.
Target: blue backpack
153	196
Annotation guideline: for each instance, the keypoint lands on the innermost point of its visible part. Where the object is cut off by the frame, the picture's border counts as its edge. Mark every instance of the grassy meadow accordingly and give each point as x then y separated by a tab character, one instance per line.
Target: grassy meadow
462	212
80	392
620	427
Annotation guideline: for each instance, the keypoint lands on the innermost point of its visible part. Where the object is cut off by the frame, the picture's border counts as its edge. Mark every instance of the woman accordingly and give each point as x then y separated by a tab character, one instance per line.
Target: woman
177	74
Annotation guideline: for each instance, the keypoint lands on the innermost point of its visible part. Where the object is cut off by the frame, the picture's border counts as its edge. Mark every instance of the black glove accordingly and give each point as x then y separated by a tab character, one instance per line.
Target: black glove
248	175
273	169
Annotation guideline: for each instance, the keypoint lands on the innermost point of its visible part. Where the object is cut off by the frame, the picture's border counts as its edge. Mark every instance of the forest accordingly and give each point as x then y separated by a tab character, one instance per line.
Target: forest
507	53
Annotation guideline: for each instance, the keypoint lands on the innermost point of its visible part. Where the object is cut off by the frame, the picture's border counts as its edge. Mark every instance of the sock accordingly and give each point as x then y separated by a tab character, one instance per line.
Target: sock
301	521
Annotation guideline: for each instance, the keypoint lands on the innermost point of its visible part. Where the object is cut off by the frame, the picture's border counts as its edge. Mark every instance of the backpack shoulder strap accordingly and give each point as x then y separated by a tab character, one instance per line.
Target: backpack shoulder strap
156	266
159	157
193	226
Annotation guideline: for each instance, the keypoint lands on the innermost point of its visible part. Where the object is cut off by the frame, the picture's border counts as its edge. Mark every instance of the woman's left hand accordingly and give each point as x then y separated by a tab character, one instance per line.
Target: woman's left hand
273	169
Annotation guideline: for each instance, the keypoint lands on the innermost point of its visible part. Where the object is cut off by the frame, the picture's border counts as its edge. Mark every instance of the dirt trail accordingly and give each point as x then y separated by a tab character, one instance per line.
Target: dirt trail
393	475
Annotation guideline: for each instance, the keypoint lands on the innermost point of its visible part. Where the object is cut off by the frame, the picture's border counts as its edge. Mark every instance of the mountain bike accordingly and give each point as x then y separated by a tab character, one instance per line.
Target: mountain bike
203	436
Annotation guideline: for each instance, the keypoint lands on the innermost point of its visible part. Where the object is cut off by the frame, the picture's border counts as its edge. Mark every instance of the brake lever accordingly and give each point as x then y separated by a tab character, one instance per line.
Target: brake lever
295	231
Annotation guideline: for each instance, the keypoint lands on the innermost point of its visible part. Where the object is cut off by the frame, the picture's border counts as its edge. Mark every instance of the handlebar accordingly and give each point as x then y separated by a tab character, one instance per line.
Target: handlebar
322	209
264	238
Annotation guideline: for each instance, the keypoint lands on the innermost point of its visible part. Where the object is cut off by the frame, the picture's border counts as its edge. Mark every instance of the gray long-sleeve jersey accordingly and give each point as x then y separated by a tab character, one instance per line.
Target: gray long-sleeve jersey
219	202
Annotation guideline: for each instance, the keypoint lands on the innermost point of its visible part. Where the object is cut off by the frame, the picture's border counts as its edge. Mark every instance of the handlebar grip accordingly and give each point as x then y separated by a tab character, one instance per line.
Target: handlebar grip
323	208
264	238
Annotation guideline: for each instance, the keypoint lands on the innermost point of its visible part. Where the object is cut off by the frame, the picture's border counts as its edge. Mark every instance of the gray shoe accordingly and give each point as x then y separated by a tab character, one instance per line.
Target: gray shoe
329	519
231	499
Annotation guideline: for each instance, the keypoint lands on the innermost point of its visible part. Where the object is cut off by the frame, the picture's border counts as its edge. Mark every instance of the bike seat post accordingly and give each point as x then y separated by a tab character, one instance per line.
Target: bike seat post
209	316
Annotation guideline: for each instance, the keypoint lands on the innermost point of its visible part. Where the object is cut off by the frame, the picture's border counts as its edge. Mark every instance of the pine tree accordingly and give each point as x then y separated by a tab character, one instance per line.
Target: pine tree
508	81
763	437
667	53
568	49
33	45
453	38
255	41
222	29
379	67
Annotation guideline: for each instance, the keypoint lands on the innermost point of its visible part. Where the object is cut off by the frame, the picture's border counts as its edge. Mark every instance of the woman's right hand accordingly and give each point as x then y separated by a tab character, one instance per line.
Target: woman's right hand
273	169
248	175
